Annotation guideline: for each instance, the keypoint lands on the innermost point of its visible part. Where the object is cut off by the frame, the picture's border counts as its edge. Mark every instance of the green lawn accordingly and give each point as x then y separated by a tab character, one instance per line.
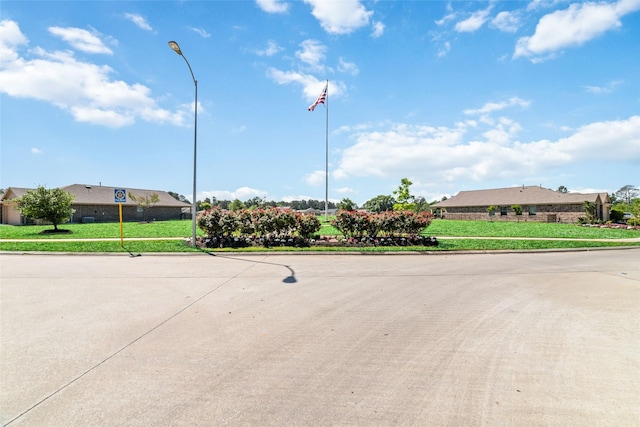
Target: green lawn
443	227
101	230
182	229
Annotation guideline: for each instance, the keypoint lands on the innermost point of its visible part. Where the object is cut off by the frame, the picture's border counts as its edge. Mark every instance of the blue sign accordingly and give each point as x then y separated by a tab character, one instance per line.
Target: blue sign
120	195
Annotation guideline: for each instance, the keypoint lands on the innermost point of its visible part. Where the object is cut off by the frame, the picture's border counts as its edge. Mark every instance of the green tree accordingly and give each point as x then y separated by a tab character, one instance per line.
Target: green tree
421	204
145	202
380	203
236	205
562	189
404	199
590	212
347	204
53	205
492	211
179	197
518	210
254	202
626	194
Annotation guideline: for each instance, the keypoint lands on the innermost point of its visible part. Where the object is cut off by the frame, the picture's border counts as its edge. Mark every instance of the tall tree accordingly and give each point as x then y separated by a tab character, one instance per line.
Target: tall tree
53	205
380	203
179	197
562	189
404	199
236	205
347	204
627	193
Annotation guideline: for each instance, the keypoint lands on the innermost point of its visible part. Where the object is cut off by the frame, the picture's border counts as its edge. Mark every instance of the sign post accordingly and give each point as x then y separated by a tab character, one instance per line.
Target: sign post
120	195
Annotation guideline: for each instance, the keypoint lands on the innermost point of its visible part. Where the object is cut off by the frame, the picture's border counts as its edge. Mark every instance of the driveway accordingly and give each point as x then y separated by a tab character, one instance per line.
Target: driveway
319	340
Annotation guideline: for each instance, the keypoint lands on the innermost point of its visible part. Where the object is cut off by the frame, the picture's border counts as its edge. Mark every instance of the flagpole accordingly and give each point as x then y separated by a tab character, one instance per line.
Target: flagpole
326	163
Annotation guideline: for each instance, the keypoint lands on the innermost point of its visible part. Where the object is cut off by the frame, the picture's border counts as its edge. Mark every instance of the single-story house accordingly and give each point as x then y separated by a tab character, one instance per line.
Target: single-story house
537	204
312	211
96	203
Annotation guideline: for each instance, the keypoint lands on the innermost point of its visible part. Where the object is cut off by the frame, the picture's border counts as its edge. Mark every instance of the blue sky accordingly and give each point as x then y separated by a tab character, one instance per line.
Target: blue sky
452	95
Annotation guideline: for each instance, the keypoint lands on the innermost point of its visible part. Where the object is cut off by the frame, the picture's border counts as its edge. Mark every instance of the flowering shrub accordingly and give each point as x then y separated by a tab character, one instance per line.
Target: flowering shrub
275	227
245	222
354	224
210	221
267	227
351	223
307	225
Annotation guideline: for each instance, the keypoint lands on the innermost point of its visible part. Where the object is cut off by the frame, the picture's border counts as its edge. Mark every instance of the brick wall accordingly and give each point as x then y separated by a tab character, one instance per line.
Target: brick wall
544	213
110	213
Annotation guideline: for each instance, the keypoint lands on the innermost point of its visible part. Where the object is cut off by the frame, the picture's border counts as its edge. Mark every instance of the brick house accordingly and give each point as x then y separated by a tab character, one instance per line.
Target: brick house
96	203
537	203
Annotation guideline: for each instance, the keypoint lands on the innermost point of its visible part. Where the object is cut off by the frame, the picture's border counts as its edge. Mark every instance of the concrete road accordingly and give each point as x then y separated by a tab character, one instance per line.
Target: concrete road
321	340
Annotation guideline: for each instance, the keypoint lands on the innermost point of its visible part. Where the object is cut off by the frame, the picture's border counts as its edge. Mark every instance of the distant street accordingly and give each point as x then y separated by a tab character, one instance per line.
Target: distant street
502	339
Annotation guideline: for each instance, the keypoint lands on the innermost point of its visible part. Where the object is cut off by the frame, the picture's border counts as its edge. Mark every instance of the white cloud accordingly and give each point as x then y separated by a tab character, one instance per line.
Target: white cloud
271	49
36	151
340	17
272	6
573	26
242	194
608	88
11	38
506	21
345	190
315	178
238	129
312	53
447	154
140	21
84	89
378	30
543	4
444	49
474	22
81	39
450	16
490	107
347	67
201	32
311	86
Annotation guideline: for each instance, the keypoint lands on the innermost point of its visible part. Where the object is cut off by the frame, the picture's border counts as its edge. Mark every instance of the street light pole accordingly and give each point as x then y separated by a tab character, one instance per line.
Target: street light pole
176	48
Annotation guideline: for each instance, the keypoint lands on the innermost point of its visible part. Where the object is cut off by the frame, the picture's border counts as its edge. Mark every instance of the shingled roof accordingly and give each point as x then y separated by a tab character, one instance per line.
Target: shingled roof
104	195
525	195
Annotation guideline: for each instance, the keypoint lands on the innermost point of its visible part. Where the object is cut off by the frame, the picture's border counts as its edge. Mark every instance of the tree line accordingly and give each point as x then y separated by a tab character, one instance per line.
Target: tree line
255	202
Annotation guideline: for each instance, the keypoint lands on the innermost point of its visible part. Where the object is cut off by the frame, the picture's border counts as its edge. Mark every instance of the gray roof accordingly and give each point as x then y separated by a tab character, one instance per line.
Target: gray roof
525	195
14	192
104	195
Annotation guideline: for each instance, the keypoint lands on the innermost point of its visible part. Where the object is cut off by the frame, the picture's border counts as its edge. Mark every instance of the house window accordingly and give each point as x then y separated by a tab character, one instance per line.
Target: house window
503	211
532	210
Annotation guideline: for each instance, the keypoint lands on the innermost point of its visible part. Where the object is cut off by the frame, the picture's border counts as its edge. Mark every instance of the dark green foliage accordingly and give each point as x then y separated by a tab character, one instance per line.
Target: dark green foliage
347	204
380	204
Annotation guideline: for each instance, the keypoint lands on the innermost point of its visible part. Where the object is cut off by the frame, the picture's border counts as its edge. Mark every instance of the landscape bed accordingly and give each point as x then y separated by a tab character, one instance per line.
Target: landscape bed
172	238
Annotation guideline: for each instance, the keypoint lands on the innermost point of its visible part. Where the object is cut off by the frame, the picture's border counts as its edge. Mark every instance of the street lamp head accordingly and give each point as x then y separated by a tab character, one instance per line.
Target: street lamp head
173	45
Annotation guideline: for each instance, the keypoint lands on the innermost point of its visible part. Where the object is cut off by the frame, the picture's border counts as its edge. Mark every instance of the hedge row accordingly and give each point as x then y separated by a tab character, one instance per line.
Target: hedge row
355	224
276	227
263	223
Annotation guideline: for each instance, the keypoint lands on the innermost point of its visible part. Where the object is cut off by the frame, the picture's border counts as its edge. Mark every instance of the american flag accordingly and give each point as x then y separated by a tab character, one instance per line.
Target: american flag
320	99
